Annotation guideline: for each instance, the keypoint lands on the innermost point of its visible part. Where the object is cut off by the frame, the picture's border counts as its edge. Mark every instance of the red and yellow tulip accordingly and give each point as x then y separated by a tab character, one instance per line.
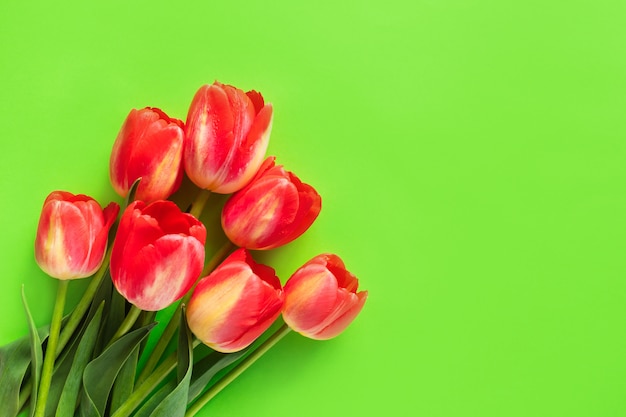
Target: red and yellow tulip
157	255
235	304
227	133
72	235
321	298
274	209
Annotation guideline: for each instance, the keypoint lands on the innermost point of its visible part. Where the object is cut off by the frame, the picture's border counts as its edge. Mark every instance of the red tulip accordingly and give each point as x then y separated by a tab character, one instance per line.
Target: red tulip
72	235
149	146
274	209
321	298
157	255
227	133
235	304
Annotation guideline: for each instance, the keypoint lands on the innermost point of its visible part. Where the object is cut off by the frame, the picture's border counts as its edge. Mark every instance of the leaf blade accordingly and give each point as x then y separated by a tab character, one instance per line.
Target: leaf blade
175	404
36	351
100	374
208	367
71	389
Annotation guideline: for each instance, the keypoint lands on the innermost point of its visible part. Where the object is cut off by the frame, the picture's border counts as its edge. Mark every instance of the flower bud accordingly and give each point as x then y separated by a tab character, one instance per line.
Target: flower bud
271	211
157	255
321	298
235	304
227	133
149	146
72	235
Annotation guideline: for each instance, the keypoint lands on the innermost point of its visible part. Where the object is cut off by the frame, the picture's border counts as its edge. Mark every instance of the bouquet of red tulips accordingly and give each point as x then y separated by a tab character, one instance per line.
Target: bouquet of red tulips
226	309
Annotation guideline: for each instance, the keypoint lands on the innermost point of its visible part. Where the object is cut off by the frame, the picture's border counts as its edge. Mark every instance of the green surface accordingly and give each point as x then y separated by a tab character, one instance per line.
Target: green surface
471	156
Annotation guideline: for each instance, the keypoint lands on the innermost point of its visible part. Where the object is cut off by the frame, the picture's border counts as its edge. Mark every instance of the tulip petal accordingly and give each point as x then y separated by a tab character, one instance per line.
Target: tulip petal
310	297
57	195
310	204
170	219
340	322
218	123
227	133
156	158
134	232
233	306
260	129
161	273
61	250
123	148
72	234
243	112
149	266
198	231
148	146
272	210
109	214
258	216
257	99
335	265
321	299
248	318
215	297
97	234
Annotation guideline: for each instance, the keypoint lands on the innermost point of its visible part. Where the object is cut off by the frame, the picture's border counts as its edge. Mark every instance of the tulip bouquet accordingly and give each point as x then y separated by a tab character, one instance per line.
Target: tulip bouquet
226	310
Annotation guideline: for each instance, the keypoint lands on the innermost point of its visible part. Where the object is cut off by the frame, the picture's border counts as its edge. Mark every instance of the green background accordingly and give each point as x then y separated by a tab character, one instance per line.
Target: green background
470	156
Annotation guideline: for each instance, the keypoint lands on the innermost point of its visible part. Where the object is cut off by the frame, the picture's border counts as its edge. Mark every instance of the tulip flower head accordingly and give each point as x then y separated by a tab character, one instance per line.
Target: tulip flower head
321	298
149	146
72	235
235	304
227	133
274	209
157	255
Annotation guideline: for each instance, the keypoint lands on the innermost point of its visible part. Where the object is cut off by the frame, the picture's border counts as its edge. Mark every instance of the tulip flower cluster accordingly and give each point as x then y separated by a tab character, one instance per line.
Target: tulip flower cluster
154	257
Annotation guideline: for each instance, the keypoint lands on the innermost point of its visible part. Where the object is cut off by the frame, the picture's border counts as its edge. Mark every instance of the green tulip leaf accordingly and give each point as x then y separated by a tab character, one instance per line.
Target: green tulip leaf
100	374
87	335
125	381
155	399
71	388
36	358
62	367
130	197
104	293
145	318
208	367
65	362
175	404
116	314
14	361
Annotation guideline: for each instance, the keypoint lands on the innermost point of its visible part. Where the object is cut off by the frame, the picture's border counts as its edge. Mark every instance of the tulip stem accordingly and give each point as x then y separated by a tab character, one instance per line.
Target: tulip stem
51	350
142	391
172	325
127	324
79	311
198	204
237	370
73	321
218	257
160	346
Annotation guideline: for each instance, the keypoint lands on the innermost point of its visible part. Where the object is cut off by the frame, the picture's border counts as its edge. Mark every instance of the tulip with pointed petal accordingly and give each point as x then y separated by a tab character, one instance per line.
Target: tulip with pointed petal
235	304
321	298
72	235
157	255
227	133
274	209
149	146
